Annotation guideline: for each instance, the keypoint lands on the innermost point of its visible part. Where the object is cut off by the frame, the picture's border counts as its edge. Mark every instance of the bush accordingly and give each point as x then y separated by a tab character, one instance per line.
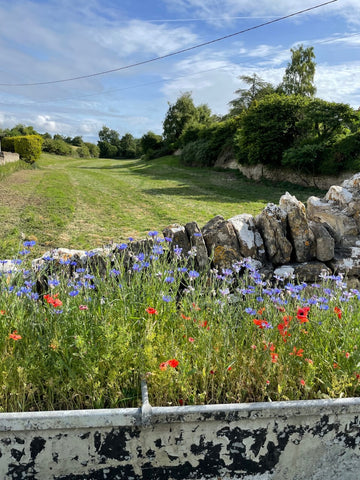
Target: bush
83	152
93	149
57	147
204	144
28	146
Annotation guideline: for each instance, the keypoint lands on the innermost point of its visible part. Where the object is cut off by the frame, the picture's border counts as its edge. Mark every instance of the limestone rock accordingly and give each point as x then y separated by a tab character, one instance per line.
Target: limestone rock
347	260
324	242
198	247
179	237
328	212
271	223
250	240
310	271
339	195
221	241
301	235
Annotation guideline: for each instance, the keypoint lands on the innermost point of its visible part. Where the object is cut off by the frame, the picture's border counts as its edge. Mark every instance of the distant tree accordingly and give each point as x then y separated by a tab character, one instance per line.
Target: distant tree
180	115
77	141
257	90
150	142
83	151
300	72
109	143
127	146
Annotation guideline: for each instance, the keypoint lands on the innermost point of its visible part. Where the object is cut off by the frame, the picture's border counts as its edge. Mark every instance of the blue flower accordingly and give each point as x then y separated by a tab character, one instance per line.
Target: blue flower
169	279
73	293
24	252
153	233
29	243
122	246
197	234
250	311
182	269
193	274
167	298
158	250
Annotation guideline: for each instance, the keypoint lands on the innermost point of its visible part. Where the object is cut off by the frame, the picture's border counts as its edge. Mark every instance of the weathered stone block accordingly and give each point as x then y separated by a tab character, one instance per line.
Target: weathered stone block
250	240
198	247
324	242
301	236
271	223
221	240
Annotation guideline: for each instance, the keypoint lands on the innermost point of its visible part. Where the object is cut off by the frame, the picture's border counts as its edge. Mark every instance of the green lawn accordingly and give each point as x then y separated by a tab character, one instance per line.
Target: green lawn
85	203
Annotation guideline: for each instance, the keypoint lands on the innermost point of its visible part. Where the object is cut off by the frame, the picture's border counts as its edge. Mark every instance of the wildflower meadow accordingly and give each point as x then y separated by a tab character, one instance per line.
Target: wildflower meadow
72	337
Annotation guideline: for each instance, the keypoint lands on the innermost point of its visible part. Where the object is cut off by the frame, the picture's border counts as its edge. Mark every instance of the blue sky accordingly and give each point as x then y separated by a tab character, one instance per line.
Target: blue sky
48	40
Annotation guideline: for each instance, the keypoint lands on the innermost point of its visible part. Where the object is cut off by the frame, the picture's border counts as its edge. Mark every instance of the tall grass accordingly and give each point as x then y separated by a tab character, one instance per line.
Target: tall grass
72	336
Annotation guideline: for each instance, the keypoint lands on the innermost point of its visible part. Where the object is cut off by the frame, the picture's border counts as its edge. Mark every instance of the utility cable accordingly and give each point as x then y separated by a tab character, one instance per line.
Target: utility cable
178	52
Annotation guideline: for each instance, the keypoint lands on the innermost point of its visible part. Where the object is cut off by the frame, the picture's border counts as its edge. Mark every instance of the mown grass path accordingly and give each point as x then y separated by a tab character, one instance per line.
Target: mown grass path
85	203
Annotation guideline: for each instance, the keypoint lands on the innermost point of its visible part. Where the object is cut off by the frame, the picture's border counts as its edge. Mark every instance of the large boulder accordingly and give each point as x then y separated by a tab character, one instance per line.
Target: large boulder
300	233
221	242
330	213
272	225
250	240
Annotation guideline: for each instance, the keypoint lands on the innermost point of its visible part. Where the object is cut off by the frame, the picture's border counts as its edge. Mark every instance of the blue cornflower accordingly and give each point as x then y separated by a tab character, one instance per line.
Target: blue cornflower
259	299
17	261
90	254
323	306
80	270
182	269
24	252
193	274
53	282
168	239
197	234
88	276
158	250
153	233
73	293
177	250
136	267
122	246
114	272
169	279
141	257
225	291
57	311
64	262
29	243
227	271
250	311
167	298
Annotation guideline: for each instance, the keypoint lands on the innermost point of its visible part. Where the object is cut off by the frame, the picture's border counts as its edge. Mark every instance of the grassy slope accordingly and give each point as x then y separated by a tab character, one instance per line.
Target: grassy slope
82	203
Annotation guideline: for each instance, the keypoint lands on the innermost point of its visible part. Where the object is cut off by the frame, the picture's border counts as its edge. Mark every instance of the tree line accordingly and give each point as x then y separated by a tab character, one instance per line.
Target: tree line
278	125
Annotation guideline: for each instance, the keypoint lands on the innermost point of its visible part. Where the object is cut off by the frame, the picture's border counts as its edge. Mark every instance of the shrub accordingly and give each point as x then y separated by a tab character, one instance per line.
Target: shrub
57	147
93	149
83	152
28	146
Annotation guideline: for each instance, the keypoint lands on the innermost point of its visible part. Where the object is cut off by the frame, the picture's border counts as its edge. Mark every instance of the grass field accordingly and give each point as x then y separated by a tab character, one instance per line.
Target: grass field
86	203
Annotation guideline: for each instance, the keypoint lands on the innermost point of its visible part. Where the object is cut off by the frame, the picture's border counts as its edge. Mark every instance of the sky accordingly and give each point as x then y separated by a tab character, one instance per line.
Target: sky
54	40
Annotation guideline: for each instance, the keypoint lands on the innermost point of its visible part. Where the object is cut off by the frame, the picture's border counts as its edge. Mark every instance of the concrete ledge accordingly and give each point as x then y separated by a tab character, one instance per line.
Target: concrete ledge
300	440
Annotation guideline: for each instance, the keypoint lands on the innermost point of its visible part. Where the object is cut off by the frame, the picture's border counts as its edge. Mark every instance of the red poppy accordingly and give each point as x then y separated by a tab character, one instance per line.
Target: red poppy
2	312
54	301
163	365
185	317
297	352
173	363
151	311
302	381
191	339
260	323
195	307
338	312
14	335
274	357
302	314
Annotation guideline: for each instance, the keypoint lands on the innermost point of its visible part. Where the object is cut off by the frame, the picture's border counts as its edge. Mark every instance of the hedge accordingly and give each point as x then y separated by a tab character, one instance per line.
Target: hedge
28	146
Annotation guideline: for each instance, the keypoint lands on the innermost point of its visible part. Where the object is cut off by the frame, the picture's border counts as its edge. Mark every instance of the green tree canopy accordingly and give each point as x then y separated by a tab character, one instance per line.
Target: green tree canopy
300	72
257	90
180	115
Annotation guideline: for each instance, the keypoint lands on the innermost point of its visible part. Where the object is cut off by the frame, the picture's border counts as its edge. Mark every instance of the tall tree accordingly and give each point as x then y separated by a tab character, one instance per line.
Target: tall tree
257	90
182	114
300	72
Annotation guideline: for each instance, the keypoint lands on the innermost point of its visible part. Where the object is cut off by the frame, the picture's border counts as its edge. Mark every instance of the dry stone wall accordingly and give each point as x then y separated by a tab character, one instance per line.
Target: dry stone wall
285	239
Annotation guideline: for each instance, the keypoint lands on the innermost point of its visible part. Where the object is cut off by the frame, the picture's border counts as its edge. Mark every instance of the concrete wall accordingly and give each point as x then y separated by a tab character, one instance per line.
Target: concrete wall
301	440
8	157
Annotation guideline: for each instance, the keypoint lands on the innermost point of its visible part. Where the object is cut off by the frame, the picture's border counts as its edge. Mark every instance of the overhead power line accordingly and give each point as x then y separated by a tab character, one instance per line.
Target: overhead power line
178	52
